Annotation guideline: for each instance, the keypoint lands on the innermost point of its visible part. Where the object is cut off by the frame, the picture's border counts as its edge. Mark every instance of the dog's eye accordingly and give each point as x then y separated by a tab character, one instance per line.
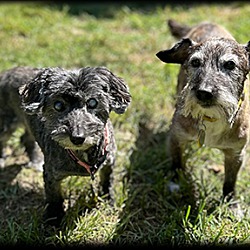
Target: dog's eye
195	62
230	65
92	103
59	106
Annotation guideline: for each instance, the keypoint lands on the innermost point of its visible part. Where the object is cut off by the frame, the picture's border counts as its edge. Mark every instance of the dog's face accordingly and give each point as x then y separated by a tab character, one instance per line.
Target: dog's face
216	71
75	105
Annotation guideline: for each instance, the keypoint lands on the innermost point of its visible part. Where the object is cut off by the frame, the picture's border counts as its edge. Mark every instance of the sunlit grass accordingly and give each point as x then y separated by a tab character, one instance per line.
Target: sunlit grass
144	211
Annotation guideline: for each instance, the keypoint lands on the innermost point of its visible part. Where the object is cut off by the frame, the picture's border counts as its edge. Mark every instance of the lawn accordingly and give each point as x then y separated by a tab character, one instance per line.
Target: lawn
124	38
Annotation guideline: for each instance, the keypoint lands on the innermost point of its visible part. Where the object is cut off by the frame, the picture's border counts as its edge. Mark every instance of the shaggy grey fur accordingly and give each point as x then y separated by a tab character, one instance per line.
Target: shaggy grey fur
66	112
213	101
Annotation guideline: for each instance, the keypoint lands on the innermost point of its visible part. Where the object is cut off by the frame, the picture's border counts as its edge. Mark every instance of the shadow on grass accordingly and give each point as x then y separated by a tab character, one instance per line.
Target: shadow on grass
106	9
152	214
8	174
20	208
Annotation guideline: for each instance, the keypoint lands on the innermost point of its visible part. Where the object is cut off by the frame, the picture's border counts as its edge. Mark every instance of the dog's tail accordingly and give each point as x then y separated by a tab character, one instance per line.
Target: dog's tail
178	30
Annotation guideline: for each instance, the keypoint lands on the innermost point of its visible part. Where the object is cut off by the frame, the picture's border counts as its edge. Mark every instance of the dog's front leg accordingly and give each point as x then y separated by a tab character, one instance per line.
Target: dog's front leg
175	154
54	210
233	162
175	158
105	182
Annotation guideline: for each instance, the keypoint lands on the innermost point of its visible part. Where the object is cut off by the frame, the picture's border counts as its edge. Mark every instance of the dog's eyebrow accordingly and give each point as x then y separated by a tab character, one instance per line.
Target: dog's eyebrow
94	83
68	97
72	96
229	56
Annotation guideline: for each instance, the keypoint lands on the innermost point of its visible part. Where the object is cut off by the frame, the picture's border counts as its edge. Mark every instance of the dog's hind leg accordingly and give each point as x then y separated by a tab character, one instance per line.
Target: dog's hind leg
33	150
7	127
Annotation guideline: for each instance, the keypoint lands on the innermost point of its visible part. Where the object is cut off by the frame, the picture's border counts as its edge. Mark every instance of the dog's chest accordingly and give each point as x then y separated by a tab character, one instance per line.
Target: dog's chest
211	134
216	135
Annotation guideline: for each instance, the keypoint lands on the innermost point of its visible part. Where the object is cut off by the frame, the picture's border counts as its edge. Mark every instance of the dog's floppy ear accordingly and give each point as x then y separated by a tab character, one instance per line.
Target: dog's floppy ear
120	97
178	53
32	94
118	92
247	46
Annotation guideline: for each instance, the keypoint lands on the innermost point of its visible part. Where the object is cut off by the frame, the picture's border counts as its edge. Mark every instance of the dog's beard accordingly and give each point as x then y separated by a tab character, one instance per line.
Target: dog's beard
225	107
61	136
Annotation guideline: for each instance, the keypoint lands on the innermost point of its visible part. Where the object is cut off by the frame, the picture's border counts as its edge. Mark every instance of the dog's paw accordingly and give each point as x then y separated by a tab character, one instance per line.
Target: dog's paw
53	215
237	210
2	163
173	187
38	165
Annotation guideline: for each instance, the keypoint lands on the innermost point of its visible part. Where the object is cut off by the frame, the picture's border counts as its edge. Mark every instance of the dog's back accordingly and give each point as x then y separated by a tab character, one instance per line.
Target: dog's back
10	107
197	33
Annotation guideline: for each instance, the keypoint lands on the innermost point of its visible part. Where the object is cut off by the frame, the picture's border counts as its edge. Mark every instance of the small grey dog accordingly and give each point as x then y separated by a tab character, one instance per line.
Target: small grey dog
213	102
65	112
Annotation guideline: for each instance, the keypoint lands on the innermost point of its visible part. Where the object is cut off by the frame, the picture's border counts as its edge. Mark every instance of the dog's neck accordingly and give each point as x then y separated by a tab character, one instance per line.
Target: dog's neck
99	154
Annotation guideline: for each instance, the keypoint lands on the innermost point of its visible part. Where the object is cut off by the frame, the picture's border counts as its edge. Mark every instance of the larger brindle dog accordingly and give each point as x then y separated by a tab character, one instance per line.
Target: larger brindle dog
213	100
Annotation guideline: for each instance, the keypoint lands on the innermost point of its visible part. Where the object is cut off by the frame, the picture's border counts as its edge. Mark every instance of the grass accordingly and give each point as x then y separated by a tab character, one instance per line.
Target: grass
124	38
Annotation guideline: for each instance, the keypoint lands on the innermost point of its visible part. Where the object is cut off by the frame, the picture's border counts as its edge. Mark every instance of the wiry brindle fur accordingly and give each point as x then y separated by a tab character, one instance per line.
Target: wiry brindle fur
213	102
67	113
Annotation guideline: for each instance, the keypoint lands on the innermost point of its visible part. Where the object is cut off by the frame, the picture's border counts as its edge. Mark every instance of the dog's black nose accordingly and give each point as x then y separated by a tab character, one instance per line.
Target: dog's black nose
204	95
77	140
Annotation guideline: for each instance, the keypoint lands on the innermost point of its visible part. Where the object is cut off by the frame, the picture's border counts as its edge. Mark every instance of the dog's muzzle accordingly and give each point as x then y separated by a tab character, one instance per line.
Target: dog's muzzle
91	169
77	140
206	97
